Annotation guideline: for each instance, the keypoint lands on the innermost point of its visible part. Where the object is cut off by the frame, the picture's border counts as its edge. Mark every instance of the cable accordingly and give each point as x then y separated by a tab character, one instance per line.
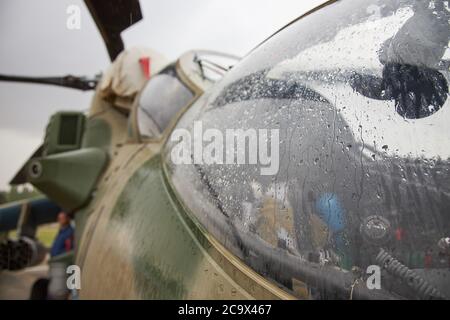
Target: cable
424	289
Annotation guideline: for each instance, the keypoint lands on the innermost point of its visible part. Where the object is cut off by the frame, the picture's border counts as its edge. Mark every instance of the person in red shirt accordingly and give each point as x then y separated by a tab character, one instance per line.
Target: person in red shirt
64	240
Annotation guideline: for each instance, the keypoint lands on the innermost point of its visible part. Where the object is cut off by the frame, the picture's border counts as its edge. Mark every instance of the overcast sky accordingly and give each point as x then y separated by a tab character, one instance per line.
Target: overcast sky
35	41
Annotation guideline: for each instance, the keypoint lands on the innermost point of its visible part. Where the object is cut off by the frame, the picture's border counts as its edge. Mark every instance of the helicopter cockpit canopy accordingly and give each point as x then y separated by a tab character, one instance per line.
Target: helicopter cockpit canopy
175	87
356	94
163	96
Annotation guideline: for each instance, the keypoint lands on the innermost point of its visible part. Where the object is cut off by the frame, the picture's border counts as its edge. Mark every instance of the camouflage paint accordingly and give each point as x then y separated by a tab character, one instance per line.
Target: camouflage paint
145	246
134	240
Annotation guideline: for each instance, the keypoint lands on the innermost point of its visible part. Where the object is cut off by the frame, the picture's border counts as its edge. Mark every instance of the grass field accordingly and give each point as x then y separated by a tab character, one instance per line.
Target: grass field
47	233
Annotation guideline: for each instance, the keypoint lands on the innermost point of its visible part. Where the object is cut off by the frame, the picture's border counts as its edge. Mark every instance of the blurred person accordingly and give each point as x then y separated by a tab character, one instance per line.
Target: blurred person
63	243
64	240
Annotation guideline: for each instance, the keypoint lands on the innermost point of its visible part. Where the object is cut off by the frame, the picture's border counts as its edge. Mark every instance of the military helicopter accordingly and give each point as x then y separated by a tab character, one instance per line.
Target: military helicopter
358	109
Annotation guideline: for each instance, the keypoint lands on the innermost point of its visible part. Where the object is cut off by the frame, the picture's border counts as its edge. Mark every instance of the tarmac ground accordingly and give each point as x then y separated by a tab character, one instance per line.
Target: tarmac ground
16	285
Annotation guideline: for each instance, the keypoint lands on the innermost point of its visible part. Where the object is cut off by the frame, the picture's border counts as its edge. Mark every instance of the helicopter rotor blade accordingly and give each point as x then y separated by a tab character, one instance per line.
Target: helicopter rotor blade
69	81
111	18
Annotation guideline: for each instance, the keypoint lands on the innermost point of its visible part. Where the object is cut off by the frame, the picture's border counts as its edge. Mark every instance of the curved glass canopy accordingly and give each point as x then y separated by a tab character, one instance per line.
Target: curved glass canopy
347	109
